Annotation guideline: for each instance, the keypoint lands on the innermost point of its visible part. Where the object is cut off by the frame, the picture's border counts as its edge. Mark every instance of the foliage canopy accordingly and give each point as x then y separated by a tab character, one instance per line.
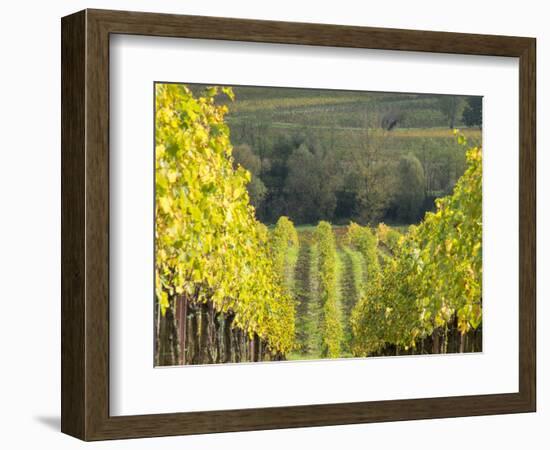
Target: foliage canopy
209	245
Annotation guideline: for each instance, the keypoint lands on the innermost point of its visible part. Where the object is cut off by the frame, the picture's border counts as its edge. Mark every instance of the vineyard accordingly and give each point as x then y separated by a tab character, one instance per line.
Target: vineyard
232	289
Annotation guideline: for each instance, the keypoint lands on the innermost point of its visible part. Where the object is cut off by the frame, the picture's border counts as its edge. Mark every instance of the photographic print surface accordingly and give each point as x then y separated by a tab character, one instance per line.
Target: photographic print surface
299	224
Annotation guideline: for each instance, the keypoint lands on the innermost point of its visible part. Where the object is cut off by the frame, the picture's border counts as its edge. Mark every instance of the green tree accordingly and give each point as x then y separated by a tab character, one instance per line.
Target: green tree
410	192
375	180
308	188
472	115
451	106
244	156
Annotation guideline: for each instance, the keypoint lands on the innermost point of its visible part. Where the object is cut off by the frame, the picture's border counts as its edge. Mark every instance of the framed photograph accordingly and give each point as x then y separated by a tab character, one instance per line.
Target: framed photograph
274	225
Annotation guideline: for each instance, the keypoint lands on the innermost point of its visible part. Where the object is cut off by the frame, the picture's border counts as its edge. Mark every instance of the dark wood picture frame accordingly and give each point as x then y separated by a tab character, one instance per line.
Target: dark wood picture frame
85	224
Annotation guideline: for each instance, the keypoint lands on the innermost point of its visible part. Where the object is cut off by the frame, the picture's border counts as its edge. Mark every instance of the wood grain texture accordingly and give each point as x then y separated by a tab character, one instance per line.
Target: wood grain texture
85	224
73	109
527	224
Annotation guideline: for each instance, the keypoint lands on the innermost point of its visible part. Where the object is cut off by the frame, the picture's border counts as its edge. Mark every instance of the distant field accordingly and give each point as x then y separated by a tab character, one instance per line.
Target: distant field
286	108
441	132
436	132
262	105
339	120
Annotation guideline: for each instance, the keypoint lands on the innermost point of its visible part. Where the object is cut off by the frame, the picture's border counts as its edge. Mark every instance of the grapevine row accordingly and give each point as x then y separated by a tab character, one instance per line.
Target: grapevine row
218	290
430	290
332	332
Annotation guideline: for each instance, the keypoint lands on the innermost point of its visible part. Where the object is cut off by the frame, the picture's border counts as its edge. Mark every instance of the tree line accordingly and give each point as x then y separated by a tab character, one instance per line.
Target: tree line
334	155
376	177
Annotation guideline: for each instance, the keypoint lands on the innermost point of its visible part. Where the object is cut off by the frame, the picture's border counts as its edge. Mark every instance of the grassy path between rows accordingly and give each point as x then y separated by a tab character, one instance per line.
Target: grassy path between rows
301	294
313	316
308	307
303	279
351	286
